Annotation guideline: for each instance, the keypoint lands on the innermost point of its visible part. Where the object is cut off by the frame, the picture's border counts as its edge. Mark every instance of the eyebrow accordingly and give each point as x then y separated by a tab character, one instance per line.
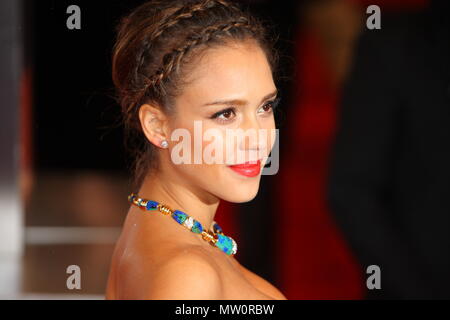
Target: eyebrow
239	101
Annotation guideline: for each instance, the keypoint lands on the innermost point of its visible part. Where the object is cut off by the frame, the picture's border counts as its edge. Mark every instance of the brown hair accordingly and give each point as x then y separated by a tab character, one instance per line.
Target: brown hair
155	45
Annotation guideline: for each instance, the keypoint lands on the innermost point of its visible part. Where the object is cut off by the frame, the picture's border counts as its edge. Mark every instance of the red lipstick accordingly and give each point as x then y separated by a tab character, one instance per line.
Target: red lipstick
247	169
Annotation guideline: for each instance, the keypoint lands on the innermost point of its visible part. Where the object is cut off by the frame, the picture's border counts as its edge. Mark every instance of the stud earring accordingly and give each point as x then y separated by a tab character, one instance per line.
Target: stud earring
164	144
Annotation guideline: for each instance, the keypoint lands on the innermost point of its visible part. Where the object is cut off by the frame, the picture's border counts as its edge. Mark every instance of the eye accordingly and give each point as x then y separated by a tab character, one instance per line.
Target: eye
225	115
270	106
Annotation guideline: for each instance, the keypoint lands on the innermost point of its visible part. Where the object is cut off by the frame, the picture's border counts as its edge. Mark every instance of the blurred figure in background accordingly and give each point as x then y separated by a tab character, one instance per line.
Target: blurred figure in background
313	261
389	187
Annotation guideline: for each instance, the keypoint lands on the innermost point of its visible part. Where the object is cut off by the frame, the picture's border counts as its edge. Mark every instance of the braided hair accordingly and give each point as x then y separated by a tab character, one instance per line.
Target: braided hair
156	45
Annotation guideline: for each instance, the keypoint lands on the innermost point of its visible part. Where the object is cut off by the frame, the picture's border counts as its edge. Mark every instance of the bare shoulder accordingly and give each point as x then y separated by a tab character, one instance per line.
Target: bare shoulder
188	274
260	283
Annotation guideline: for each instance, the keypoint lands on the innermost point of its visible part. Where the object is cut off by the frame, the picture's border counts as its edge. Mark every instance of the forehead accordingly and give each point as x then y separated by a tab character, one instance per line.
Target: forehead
235	70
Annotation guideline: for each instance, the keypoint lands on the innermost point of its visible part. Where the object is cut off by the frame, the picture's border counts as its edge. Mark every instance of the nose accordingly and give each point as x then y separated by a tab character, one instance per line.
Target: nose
250	141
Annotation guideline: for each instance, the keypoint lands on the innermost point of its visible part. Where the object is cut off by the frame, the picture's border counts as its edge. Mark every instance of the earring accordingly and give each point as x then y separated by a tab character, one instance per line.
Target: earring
164	144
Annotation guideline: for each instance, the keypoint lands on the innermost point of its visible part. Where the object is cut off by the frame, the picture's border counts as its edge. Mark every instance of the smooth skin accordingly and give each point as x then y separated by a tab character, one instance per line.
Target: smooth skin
155	257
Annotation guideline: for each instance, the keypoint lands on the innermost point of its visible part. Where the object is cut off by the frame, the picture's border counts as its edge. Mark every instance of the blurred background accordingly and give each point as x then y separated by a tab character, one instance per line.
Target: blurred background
339	201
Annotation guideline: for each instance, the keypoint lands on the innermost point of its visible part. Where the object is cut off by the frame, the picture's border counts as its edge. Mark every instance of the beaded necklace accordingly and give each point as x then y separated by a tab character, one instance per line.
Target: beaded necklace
214	236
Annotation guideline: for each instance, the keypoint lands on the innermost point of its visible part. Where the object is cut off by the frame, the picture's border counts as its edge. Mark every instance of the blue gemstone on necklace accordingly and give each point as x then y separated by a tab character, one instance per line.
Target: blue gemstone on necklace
217	228
179	216
197	227
151	205
224	243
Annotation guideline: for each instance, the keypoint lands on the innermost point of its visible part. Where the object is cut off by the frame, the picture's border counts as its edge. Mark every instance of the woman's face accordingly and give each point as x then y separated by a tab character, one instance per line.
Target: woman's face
241	75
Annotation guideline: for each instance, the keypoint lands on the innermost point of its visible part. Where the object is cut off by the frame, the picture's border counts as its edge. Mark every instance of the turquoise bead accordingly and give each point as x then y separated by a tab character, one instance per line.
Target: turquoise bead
179	216
224	243
197	227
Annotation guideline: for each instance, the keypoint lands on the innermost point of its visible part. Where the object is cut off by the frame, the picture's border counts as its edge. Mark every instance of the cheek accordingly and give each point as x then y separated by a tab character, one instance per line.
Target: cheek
213	146
271	136
270	129
206	148
216	178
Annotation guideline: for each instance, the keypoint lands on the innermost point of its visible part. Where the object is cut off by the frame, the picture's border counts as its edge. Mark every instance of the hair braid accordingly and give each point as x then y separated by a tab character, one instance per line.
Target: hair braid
174	57
184	12
187	12
172	60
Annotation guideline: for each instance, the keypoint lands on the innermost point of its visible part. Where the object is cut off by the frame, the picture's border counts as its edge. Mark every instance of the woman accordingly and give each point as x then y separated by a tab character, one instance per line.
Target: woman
179	66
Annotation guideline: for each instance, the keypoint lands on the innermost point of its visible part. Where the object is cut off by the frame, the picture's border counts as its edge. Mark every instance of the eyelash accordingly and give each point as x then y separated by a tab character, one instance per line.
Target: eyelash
274	104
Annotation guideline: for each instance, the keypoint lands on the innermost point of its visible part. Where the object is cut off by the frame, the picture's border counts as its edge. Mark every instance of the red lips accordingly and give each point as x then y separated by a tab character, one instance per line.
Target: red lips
247	169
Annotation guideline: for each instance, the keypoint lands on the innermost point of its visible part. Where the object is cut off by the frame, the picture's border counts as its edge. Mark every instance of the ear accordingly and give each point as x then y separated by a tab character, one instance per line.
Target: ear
154	124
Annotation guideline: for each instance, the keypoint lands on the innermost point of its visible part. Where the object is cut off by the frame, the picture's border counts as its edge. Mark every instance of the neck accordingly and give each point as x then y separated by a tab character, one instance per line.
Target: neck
176	193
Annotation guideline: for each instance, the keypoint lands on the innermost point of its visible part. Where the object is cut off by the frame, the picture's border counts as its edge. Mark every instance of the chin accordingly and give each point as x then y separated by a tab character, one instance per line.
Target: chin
240	194
237	188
